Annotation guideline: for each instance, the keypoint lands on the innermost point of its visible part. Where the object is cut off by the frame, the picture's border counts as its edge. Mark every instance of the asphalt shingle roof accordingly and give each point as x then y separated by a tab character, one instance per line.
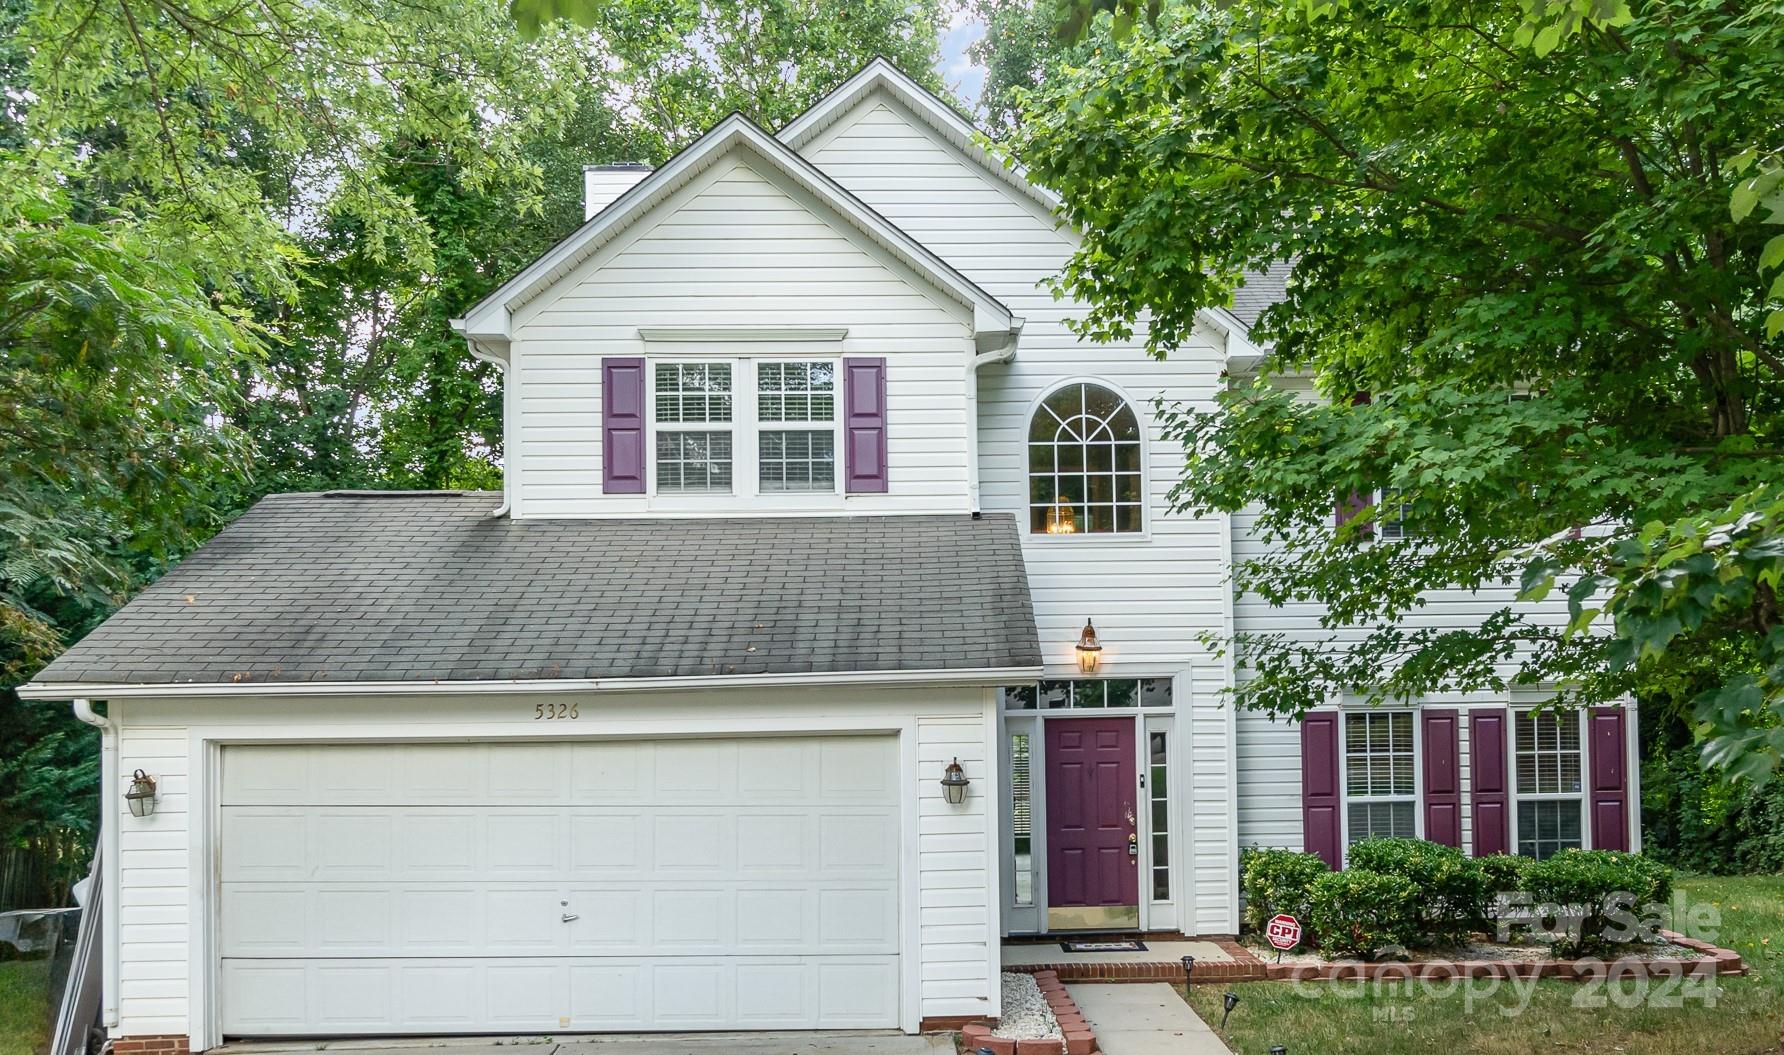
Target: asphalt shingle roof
424	587
1261	289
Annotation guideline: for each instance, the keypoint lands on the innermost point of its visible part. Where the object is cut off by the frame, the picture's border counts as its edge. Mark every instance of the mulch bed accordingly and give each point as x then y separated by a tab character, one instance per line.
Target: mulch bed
1710	962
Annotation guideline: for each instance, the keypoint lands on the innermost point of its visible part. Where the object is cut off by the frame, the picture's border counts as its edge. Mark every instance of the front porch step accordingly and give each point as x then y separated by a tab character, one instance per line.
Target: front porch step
1216	960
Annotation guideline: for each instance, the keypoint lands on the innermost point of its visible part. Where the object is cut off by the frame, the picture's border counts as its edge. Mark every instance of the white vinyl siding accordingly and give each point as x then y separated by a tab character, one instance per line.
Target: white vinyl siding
947	874
1150	592
737	248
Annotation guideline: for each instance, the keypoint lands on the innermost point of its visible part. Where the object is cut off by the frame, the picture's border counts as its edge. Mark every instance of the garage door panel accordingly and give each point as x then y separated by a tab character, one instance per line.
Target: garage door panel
747	883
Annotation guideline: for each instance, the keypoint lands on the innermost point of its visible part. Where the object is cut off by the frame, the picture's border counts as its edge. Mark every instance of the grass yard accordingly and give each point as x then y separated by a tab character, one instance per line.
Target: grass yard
1738	1016
24	1007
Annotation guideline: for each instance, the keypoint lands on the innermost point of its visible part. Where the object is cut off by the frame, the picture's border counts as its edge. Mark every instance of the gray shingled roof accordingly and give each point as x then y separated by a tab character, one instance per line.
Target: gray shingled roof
1261	289
426	587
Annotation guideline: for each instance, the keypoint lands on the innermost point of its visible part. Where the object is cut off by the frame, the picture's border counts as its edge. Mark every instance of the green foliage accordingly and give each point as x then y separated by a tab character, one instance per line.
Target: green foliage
1504	873
1275	881
1361	913
1453	888
1598	884
1467	212
1699	821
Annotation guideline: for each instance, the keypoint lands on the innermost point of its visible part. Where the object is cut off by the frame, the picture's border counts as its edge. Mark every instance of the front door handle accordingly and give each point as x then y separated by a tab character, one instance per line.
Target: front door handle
1133	845
570	916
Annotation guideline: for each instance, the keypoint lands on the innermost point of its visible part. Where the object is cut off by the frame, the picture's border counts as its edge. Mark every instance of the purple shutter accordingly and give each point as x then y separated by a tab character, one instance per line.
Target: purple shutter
1356	501
864	425
1443	776
622	426
1320	830
1610	786
1487	776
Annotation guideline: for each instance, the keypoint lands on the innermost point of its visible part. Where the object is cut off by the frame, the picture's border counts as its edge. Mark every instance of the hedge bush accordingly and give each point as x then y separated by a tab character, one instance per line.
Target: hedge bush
1505	875
1276	881
1361	913
1453	888
1599	892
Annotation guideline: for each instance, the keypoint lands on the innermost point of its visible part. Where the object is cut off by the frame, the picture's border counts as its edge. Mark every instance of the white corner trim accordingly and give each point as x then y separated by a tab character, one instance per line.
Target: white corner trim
776	334
972	676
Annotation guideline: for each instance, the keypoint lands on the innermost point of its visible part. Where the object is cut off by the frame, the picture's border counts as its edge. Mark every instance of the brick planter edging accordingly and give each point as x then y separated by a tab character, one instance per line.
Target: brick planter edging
1244	967
1079	1038
1716	961
163	1044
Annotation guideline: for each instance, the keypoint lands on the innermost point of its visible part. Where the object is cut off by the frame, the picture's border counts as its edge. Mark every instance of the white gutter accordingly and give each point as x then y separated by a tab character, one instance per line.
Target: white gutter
108	839
500	362
1003	353
975	676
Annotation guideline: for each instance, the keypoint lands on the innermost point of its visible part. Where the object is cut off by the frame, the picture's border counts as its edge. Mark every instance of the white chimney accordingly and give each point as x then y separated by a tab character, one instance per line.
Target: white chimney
601	184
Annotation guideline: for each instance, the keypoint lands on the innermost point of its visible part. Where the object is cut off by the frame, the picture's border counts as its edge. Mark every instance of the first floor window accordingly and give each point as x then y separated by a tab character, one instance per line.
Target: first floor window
1078	693
1550	789
1021	818
1380	793
1158	794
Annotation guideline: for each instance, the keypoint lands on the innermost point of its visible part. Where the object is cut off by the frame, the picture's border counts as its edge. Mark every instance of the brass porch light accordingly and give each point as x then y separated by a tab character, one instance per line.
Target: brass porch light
141	795
954	783
1090	650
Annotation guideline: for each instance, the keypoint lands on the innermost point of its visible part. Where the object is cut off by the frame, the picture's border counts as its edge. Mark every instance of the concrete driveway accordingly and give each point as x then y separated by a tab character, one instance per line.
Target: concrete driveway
813	1043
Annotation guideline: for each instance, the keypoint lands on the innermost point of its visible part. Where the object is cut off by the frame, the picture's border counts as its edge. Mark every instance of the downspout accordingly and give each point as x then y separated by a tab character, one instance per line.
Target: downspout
108	851
1002	353
501	365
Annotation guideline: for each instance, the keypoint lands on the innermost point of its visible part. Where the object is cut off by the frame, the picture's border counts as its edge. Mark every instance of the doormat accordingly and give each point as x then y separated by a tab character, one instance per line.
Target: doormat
1103	946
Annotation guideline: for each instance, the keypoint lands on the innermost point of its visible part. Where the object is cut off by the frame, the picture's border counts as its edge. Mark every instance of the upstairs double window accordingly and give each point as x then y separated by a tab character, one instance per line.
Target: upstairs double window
764	426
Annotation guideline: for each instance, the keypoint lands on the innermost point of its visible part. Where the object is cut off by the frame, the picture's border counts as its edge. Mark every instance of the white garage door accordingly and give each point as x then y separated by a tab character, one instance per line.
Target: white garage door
616	885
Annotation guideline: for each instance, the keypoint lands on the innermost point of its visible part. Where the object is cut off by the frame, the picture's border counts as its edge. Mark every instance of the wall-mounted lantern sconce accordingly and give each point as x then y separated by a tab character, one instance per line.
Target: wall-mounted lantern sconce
141	795
954	783
1090	650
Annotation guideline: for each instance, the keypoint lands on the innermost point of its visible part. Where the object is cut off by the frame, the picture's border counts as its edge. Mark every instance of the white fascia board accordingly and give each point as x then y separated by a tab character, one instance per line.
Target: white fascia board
880	73
884	678
1243	356
490	317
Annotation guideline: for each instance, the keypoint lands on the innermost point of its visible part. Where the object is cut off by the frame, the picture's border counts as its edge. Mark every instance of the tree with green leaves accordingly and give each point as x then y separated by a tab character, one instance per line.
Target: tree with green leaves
1518	243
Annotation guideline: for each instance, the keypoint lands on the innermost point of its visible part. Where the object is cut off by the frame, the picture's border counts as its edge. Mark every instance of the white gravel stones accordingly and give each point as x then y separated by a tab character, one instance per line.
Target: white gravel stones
1025	1015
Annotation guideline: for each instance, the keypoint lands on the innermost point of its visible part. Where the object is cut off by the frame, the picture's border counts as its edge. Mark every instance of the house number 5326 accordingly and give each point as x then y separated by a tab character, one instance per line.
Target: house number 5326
552	712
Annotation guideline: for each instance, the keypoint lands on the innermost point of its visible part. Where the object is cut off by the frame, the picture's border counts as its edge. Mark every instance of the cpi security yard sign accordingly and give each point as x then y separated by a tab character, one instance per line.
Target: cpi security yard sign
1284	932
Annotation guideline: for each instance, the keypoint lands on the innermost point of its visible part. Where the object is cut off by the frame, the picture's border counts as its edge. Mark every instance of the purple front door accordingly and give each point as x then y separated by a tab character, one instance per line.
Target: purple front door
1092	868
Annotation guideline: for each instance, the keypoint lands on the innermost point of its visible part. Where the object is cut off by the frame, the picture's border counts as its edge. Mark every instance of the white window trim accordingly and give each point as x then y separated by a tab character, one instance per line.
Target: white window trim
1583	796
745	430
1417	797
1031	536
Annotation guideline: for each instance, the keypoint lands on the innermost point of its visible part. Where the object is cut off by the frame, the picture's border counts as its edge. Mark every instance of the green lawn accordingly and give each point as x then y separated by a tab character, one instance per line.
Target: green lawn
24	1007
1735	1016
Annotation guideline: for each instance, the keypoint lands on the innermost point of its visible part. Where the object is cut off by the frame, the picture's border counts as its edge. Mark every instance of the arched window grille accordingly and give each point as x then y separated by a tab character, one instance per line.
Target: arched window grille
1084	464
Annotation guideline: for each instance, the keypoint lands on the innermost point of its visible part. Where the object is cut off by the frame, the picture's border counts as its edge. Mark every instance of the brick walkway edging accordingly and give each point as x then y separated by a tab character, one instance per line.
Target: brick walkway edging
1079	1039
1715	961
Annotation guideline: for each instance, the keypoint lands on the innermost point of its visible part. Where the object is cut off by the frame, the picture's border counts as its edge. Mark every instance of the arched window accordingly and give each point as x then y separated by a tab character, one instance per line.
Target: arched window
1084	463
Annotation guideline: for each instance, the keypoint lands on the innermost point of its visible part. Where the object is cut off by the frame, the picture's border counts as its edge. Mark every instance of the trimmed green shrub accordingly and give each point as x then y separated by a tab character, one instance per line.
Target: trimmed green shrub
1453	888
1504	872
1600	895
1360	913
1277	881
1505	875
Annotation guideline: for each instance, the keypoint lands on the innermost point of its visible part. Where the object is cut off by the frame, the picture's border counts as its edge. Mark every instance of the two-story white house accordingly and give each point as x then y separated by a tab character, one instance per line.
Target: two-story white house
832	628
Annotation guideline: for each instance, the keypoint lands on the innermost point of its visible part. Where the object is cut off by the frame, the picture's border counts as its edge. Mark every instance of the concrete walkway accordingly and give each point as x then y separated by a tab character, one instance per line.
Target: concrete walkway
1144	1019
